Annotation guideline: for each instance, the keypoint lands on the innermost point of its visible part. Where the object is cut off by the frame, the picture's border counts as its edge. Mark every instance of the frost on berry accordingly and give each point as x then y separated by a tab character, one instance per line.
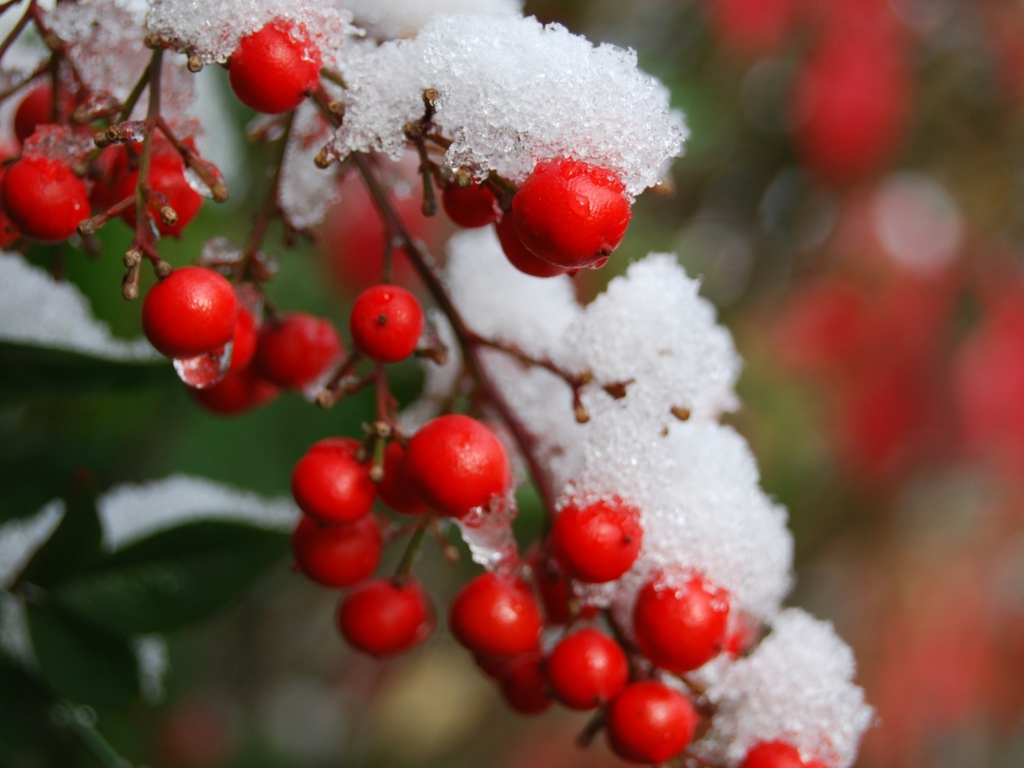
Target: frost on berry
213	34
795	687
36	310
594	106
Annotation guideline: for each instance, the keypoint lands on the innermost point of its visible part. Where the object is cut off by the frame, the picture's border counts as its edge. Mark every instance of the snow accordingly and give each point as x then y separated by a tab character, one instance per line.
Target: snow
36	310
512	92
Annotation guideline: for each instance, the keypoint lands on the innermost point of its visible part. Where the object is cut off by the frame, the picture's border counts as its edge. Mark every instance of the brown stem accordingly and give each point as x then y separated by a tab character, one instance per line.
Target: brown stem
270	209
205	170
18	28
143	228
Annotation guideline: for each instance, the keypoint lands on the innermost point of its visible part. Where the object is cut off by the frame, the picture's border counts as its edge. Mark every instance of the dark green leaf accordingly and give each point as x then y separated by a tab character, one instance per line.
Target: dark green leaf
24	710
81	663
172	579
75	545
31	370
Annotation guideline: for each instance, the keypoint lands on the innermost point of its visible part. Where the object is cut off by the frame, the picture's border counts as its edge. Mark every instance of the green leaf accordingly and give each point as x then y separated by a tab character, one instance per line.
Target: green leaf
75	545
32	370
171	579
24	719
81	663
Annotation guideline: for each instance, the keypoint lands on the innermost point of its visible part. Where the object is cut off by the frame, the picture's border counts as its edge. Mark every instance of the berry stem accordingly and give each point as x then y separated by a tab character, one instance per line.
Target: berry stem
411	551
13	89
270	209
593	727
18	28
133	97
143	228
205	170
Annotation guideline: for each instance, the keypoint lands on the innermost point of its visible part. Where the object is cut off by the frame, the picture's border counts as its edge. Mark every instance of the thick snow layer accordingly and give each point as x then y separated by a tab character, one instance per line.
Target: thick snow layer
511	92
795	687
36	310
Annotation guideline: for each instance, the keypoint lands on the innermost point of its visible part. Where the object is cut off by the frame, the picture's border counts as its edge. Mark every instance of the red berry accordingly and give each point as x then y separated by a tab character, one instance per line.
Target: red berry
339	554
680	625
571	213
44	198
236	393
523	684
496	616
190	312
395	489
383	617
455	464
273	68
35	109
9	233
167	177
330	484
243	343
648	722
519	256
851	105
470	207
777	754
597	543
296	349
586	669
386	323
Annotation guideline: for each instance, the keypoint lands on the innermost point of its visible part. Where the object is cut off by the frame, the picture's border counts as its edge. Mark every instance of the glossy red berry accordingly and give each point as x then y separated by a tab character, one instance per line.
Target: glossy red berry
44	198
383	617
496	616
521	257
586	669
190	312
470	207
274	68
455	464
777	754
35	109
9	233
339	554
235	394
395	489
680	624
571	213
295	350
523	684
598	542
330	484
386	323
648	722
166	177
243	343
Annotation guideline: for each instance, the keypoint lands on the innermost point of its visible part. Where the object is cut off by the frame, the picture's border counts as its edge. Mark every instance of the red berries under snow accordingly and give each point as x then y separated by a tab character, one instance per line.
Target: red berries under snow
383	617
777	754
386	323
456	464
496	616
680	624
190	312
330	484
337	555
597	543
586	669
274	67
570	213
648	722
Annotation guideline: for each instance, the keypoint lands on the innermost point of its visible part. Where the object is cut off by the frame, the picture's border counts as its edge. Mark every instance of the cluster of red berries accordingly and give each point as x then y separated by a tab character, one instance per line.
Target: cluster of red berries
45	199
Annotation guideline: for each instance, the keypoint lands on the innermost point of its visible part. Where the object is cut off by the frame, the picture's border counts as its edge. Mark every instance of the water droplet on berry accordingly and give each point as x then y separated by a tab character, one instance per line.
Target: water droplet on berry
206	369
